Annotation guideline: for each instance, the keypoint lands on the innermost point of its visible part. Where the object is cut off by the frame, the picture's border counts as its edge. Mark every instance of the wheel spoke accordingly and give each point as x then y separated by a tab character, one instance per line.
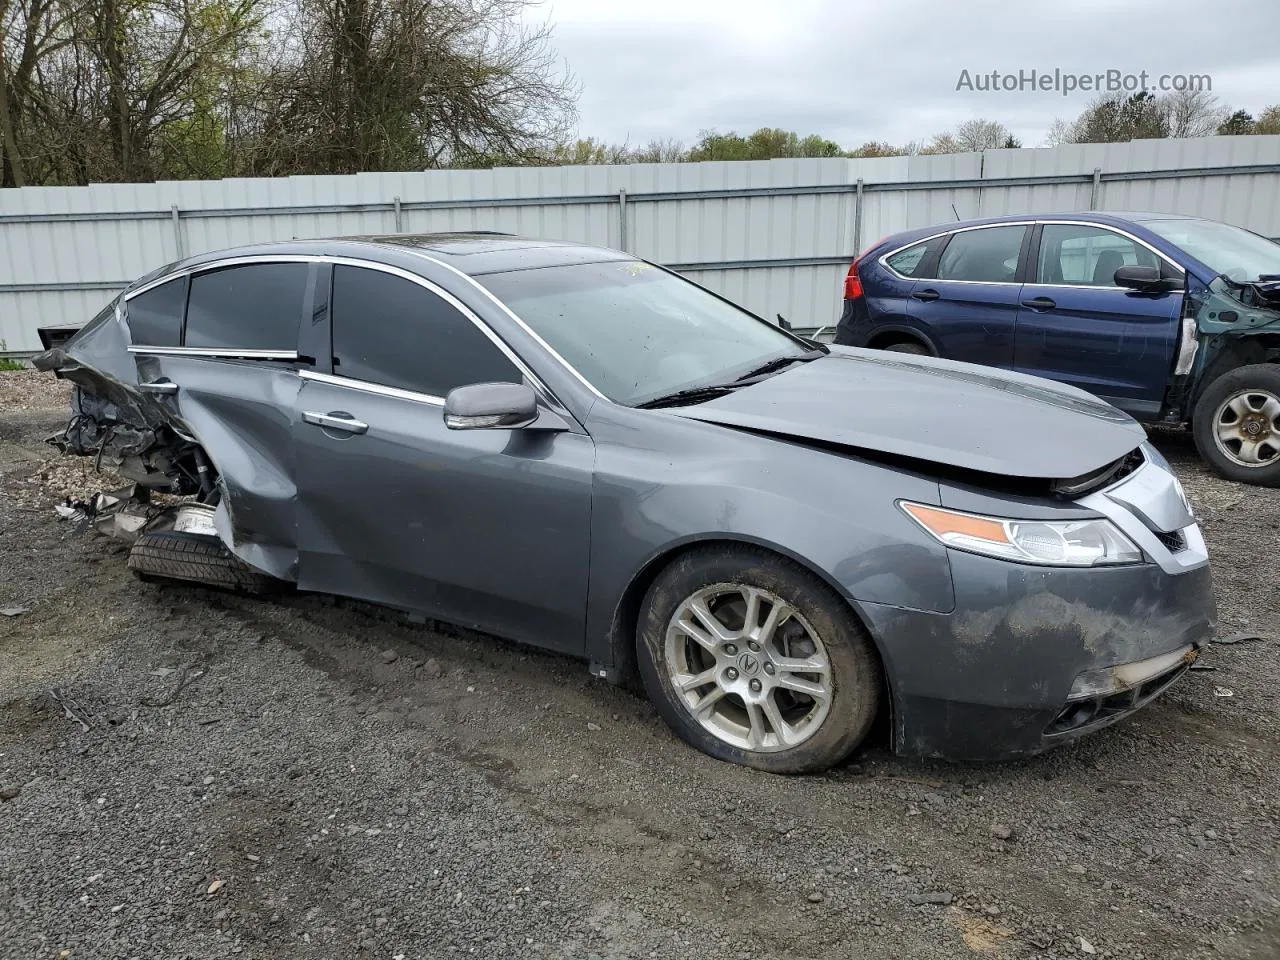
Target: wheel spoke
755	716
780	727
697	634
779	613
1248	452
709	622
1239	405
692	681
709	700
1271	410
1229	431
799	685
809	665
751	616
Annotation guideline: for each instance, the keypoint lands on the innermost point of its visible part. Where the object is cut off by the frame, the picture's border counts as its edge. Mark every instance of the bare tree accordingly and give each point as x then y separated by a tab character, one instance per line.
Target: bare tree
977	135
1193	113
399	84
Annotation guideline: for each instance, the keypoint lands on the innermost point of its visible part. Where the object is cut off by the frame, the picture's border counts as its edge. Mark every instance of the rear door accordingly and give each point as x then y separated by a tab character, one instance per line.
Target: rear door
969	306
486	528
1076	326
218	351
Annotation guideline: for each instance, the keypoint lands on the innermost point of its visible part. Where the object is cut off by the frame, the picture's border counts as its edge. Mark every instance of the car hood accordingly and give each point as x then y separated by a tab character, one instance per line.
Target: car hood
940	411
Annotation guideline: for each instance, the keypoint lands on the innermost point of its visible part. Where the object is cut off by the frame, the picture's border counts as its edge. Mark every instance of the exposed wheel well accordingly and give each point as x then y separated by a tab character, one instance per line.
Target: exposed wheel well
1262	348
626	616
890	337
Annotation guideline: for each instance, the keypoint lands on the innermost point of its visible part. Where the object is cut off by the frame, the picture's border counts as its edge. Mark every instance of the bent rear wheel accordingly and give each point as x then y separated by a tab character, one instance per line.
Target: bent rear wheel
196	558
753	660
1237	424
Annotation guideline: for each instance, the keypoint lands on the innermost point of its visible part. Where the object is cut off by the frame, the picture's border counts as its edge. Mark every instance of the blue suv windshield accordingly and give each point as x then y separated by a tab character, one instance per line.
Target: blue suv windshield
1224	249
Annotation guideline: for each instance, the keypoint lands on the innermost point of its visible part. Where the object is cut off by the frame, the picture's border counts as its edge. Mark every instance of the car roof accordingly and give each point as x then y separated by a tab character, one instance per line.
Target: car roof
473	253
1115	218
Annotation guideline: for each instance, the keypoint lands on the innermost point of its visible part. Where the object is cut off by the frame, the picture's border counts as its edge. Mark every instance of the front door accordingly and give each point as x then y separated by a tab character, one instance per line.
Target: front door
1076	326
484	528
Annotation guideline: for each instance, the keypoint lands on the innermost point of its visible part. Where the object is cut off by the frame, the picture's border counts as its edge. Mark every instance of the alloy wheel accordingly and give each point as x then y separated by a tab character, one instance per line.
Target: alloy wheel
748	667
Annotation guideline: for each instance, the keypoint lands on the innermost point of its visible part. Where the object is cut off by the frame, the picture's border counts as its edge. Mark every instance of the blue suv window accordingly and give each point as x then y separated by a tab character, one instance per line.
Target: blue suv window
1079	255
984	255
908	261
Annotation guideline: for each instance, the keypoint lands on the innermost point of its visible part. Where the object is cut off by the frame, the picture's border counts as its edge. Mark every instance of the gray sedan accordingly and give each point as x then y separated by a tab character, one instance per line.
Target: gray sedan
579	450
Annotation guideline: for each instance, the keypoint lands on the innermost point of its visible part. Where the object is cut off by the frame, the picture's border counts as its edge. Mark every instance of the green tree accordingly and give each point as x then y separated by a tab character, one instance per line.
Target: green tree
1239	123
1268	120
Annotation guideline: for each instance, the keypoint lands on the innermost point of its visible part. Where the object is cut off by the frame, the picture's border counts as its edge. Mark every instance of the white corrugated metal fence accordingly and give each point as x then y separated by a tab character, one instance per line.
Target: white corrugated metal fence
773	235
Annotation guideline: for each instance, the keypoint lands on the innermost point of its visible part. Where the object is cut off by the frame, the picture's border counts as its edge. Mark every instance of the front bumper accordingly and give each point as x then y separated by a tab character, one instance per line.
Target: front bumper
995	678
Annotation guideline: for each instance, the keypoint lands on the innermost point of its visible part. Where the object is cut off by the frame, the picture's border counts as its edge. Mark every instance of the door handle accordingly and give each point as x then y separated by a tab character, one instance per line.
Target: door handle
162	387
926	295
1040	303
337	420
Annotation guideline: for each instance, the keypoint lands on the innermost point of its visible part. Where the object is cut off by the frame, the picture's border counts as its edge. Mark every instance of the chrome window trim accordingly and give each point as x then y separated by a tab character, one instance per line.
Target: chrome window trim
226	352
945	233
1024	223
1106	228
258	258
364	386
511	314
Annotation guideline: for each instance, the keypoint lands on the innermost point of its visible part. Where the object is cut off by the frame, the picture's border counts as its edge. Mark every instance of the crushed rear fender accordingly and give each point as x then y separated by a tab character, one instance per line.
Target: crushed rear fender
231	413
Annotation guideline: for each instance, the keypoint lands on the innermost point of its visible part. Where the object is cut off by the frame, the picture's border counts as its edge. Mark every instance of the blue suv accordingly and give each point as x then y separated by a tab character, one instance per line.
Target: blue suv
1172	319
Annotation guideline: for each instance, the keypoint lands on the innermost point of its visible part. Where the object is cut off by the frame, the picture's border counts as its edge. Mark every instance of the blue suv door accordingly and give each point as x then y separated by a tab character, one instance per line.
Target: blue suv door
1076	326
970	304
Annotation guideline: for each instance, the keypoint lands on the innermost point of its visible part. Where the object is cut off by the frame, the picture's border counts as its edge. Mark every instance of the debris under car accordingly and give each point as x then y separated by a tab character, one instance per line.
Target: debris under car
590	454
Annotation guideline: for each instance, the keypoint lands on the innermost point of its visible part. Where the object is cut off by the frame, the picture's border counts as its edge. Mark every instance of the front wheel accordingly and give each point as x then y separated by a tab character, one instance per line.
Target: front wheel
753	660
1236	424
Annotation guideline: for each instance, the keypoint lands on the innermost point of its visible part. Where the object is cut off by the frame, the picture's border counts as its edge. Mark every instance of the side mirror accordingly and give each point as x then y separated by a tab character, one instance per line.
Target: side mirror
1140	278
490	406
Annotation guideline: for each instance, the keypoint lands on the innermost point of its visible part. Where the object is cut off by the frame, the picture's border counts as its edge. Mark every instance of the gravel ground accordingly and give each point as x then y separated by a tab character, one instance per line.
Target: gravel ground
305	777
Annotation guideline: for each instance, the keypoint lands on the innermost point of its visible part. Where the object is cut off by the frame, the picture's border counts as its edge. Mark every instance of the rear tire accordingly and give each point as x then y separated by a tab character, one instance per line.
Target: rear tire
908	346
752	671
1236	424
196	558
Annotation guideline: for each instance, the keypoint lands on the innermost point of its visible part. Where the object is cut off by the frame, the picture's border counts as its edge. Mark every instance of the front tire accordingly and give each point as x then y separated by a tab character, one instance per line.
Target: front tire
754	660
1236	424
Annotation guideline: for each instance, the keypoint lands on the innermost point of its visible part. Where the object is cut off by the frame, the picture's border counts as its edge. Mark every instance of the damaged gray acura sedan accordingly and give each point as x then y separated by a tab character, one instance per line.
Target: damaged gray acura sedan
579	450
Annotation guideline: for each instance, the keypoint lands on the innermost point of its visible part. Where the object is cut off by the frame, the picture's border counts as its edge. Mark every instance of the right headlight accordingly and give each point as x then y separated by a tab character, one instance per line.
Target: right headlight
1062	543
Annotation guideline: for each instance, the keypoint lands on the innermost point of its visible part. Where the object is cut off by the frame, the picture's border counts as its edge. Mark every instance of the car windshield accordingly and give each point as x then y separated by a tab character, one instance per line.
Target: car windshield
636	332
1224	249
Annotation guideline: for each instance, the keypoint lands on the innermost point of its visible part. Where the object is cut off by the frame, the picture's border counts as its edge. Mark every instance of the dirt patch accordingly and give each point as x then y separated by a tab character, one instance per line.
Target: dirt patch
472	797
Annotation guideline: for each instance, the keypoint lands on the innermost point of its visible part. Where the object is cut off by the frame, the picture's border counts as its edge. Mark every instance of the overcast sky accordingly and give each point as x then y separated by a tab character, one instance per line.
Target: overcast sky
857	70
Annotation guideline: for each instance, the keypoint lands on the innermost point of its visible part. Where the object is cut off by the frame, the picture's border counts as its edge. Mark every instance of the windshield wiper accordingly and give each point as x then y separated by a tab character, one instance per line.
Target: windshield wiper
690	395
779	363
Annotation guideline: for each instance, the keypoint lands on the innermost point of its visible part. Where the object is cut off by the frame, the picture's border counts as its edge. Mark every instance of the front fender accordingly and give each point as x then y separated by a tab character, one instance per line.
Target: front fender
831	512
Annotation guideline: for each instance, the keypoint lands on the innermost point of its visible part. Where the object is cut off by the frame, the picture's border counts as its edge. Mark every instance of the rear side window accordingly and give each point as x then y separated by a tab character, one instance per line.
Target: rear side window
907	262
155	317
987	255
393	332
252	307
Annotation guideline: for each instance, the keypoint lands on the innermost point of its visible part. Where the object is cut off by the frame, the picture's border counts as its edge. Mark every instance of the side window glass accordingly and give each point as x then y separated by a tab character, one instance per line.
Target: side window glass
907	261
1086	256
252	307
155	317
986	255
394	332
